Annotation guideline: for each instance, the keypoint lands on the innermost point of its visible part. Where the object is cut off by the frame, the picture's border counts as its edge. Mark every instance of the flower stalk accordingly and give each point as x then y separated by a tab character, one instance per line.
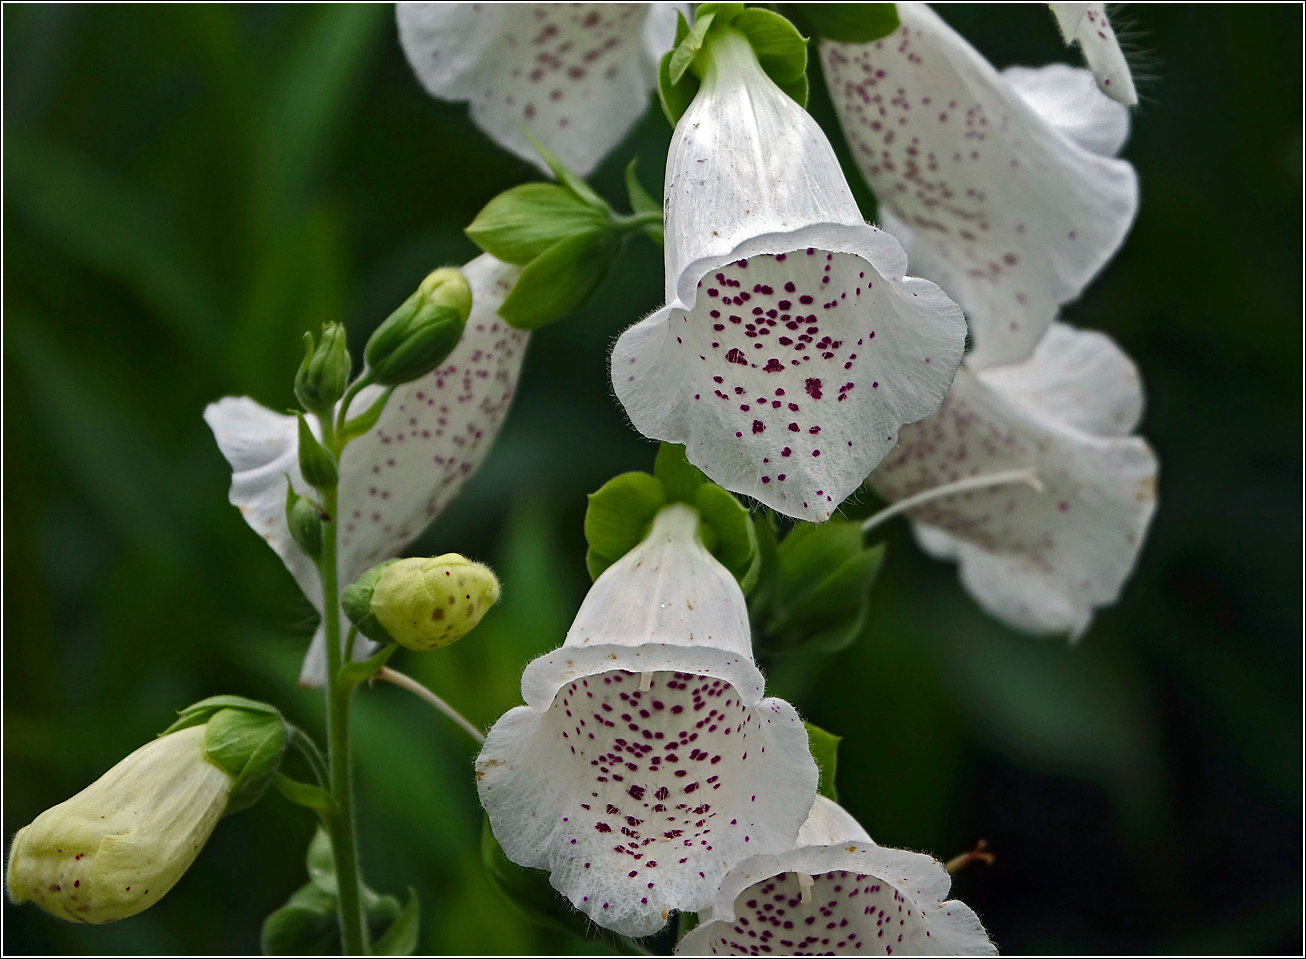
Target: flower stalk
1027	477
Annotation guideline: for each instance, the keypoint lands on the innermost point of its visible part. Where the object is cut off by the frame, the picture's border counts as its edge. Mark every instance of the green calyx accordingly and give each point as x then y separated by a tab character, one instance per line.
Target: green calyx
845	22
563	235
417	337
780	49
324	373
621	513
356	601
242	737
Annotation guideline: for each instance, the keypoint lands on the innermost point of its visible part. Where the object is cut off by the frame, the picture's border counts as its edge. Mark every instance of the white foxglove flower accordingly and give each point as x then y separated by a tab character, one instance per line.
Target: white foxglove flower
646	762
1038	561
575	76
1087	24
1002	188
792	347
837	893
432	435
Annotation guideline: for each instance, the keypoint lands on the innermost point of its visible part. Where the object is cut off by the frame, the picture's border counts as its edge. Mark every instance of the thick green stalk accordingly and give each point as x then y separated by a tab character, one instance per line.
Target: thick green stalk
353	933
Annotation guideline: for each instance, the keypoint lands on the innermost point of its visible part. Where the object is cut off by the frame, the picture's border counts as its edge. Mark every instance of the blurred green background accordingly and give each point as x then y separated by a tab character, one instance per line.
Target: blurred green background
188	188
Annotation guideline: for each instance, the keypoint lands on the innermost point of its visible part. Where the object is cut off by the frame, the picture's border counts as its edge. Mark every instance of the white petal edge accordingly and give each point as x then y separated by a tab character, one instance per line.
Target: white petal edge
1068	99
574	76
990	199
829	824
916	884
561	790
1041	562
1087	24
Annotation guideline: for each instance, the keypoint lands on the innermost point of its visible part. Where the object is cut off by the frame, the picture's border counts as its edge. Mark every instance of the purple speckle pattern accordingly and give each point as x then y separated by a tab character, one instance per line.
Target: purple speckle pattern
847	914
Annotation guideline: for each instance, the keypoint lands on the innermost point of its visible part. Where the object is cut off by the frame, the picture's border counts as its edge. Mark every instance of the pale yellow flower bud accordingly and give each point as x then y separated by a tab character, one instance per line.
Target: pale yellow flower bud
429	602
121	843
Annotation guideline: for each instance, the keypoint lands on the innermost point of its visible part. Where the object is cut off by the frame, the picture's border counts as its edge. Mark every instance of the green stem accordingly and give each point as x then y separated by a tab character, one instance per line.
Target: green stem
348	398
349	644
353	934
308	749
637	220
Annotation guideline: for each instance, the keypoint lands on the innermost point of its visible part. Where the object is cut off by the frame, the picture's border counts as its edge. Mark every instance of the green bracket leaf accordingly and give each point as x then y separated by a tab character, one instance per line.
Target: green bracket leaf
574	184
685	52
618	517
401	938
679	476
521	223
304	794
560	279
825	750
846	22
351	674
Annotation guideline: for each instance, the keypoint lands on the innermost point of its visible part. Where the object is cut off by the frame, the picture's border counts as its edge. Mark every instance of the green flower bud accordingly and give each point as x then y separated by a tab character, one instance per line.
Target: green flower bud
418	336
305	523
317	465
324	374
422	602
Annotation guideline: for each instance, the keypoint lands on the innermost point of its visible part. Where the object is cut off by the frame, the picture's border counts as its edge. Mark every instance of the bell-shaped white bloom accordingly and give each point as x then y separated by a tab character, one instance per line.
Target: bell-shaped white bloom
121	843
1001	187
1087	24
432	435
575	76
1040	561
646	762
792	347
837	893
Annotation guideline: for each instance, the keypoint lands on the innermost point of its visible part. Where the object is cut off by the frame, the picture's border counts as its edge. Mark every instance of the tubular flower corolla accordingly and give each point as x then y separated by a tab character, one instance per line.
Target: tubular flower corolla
575	76
646	761
1002	187
791	347
432	435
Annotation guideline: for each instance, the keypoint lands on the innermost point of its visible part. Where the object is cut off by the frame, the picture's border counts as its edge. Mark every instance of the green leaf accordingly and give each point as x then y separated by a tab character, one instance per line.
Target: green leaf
679	477
304	926
401	938
685	52
570	181
675	97
781	49
559	279
825	750
849	22
521	223
303	794
618	517
736	543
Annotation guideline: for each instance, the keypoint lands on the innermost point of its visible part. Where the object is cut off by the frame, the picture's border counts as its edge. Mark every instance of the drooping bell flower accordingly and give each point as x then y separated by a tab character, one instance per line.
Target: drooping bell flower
432	435
791	347
1002	187
837	893
1087	25
646	761
1039	560
575	76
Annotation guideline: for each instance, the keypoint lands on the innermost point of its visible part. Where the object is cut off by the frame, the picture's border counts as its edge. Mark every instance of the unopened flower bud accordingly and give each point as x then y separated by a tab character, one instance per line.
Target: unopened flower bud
121	843
418	336
422	602
324	374
316	464
305	523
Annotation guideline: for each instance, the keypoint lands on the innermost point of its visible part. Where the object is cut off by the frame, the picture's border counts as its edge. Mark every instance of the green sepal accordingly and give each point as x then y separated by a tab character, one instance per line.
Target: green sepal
521	223
304	521
304	794
197	714
825	750
560	279
679	476
780	48
401	938
820	594
685	51
529	891
365	420
316	464
356	601
570	181
796	90
675	97
248	745
736	542
618	516
642	202
351	674
847	22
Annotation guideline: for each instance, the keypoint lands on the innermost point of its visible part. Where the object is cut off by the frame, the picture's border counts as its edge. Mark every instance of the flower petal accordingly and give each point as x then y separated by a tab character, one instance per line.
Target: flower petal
828	824
639	790
1068	99
575	76
994	201
1088	24
1039	561
862	899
